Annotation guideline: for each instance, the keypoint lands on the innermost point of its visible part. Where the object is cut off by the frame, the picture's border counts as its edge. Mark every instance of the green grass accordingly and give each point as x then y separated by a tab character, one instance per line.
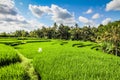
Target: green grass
60	60
13	72
10	67
8	55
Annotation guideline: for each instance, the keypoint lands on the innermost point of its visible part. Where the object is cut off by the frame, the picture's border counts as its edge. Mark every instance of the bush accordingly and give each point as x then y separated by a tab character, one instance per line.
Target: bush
110	48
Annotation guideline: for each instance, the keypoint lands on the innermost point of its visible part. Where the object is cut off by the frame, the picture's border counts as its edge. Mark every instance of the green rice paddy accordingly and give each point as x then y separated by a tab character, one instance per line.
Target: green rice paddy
59	60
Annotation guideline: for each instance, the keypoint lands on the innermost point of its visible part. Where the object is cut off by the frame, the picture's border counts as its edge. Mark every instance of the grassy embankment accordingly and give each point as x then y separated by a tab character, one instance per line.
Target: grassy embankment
13	65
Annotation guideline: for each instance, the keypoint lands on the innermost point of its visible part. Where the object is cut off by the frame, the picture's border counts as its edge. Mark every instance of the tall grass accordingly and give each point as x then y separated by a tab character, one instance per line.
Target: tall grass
8	55
13	72
10	67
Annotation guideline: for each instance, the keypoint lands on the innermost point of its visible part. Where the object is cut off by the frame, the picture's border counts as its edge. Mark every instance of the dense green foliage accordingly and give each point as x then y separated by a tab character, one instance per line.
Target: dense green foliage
8	55
71	60
109	34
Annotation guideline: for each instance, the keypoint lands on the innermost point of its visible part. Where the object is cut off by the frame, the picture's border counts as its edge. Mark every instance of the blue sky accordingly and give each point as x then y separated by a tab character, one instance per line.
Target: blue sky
78	7
68	12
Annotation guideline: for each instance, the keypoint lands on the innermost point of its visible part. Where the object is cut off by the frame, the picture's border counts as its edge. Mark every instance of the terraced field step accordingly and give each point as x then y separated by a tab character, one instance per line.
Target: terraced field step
8	56
28	66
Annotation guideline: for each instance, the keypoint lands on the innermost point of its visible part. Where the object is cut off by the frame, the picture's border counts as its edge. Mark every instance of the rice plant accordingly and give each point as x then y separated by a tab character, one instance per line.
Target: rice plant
13	72
8	55
68	62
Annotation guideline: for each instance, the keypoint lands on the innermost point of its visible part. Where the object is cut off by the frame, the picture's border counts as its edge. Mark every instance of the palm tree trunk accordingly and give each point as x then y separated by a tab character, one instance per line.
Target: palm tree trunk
116	51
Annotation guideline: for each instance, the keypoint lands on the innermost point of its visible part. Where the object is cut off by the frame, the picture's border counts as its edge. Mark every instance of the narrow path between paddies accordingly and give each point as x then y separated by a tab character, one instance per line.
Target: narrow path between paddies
28	66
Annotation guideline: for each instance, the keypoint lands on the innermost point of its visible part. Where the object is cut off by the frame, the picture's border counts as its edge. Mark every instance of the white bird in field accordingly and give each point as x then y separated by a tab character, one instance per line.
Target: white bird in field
39	49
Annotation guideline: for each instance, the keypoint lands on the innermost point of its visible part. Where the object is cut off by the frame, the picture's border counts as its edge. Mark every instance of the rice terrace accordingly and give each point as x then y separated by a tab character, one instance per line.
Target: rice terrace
59	40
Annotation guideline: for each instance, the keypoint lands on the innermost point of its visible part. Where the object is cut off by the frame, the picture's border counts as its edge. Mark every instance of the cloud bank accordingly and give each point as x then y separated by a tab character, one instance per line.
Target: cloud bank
58	14
11	20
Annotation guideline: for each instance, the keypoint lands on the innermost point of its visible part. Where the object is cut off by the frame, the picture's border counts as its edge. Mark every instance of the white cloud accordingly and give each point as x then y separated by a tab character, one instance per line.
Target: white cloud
10	20
9	3
106	21
61	15
7	7
58	14
86	21
38	11
89	11
113	5
96	16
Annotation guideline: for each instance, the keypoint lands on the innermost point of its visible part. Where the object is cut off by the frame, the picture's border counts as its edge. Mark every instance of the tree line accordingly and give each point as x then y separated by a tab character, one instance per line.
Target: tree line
108	35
